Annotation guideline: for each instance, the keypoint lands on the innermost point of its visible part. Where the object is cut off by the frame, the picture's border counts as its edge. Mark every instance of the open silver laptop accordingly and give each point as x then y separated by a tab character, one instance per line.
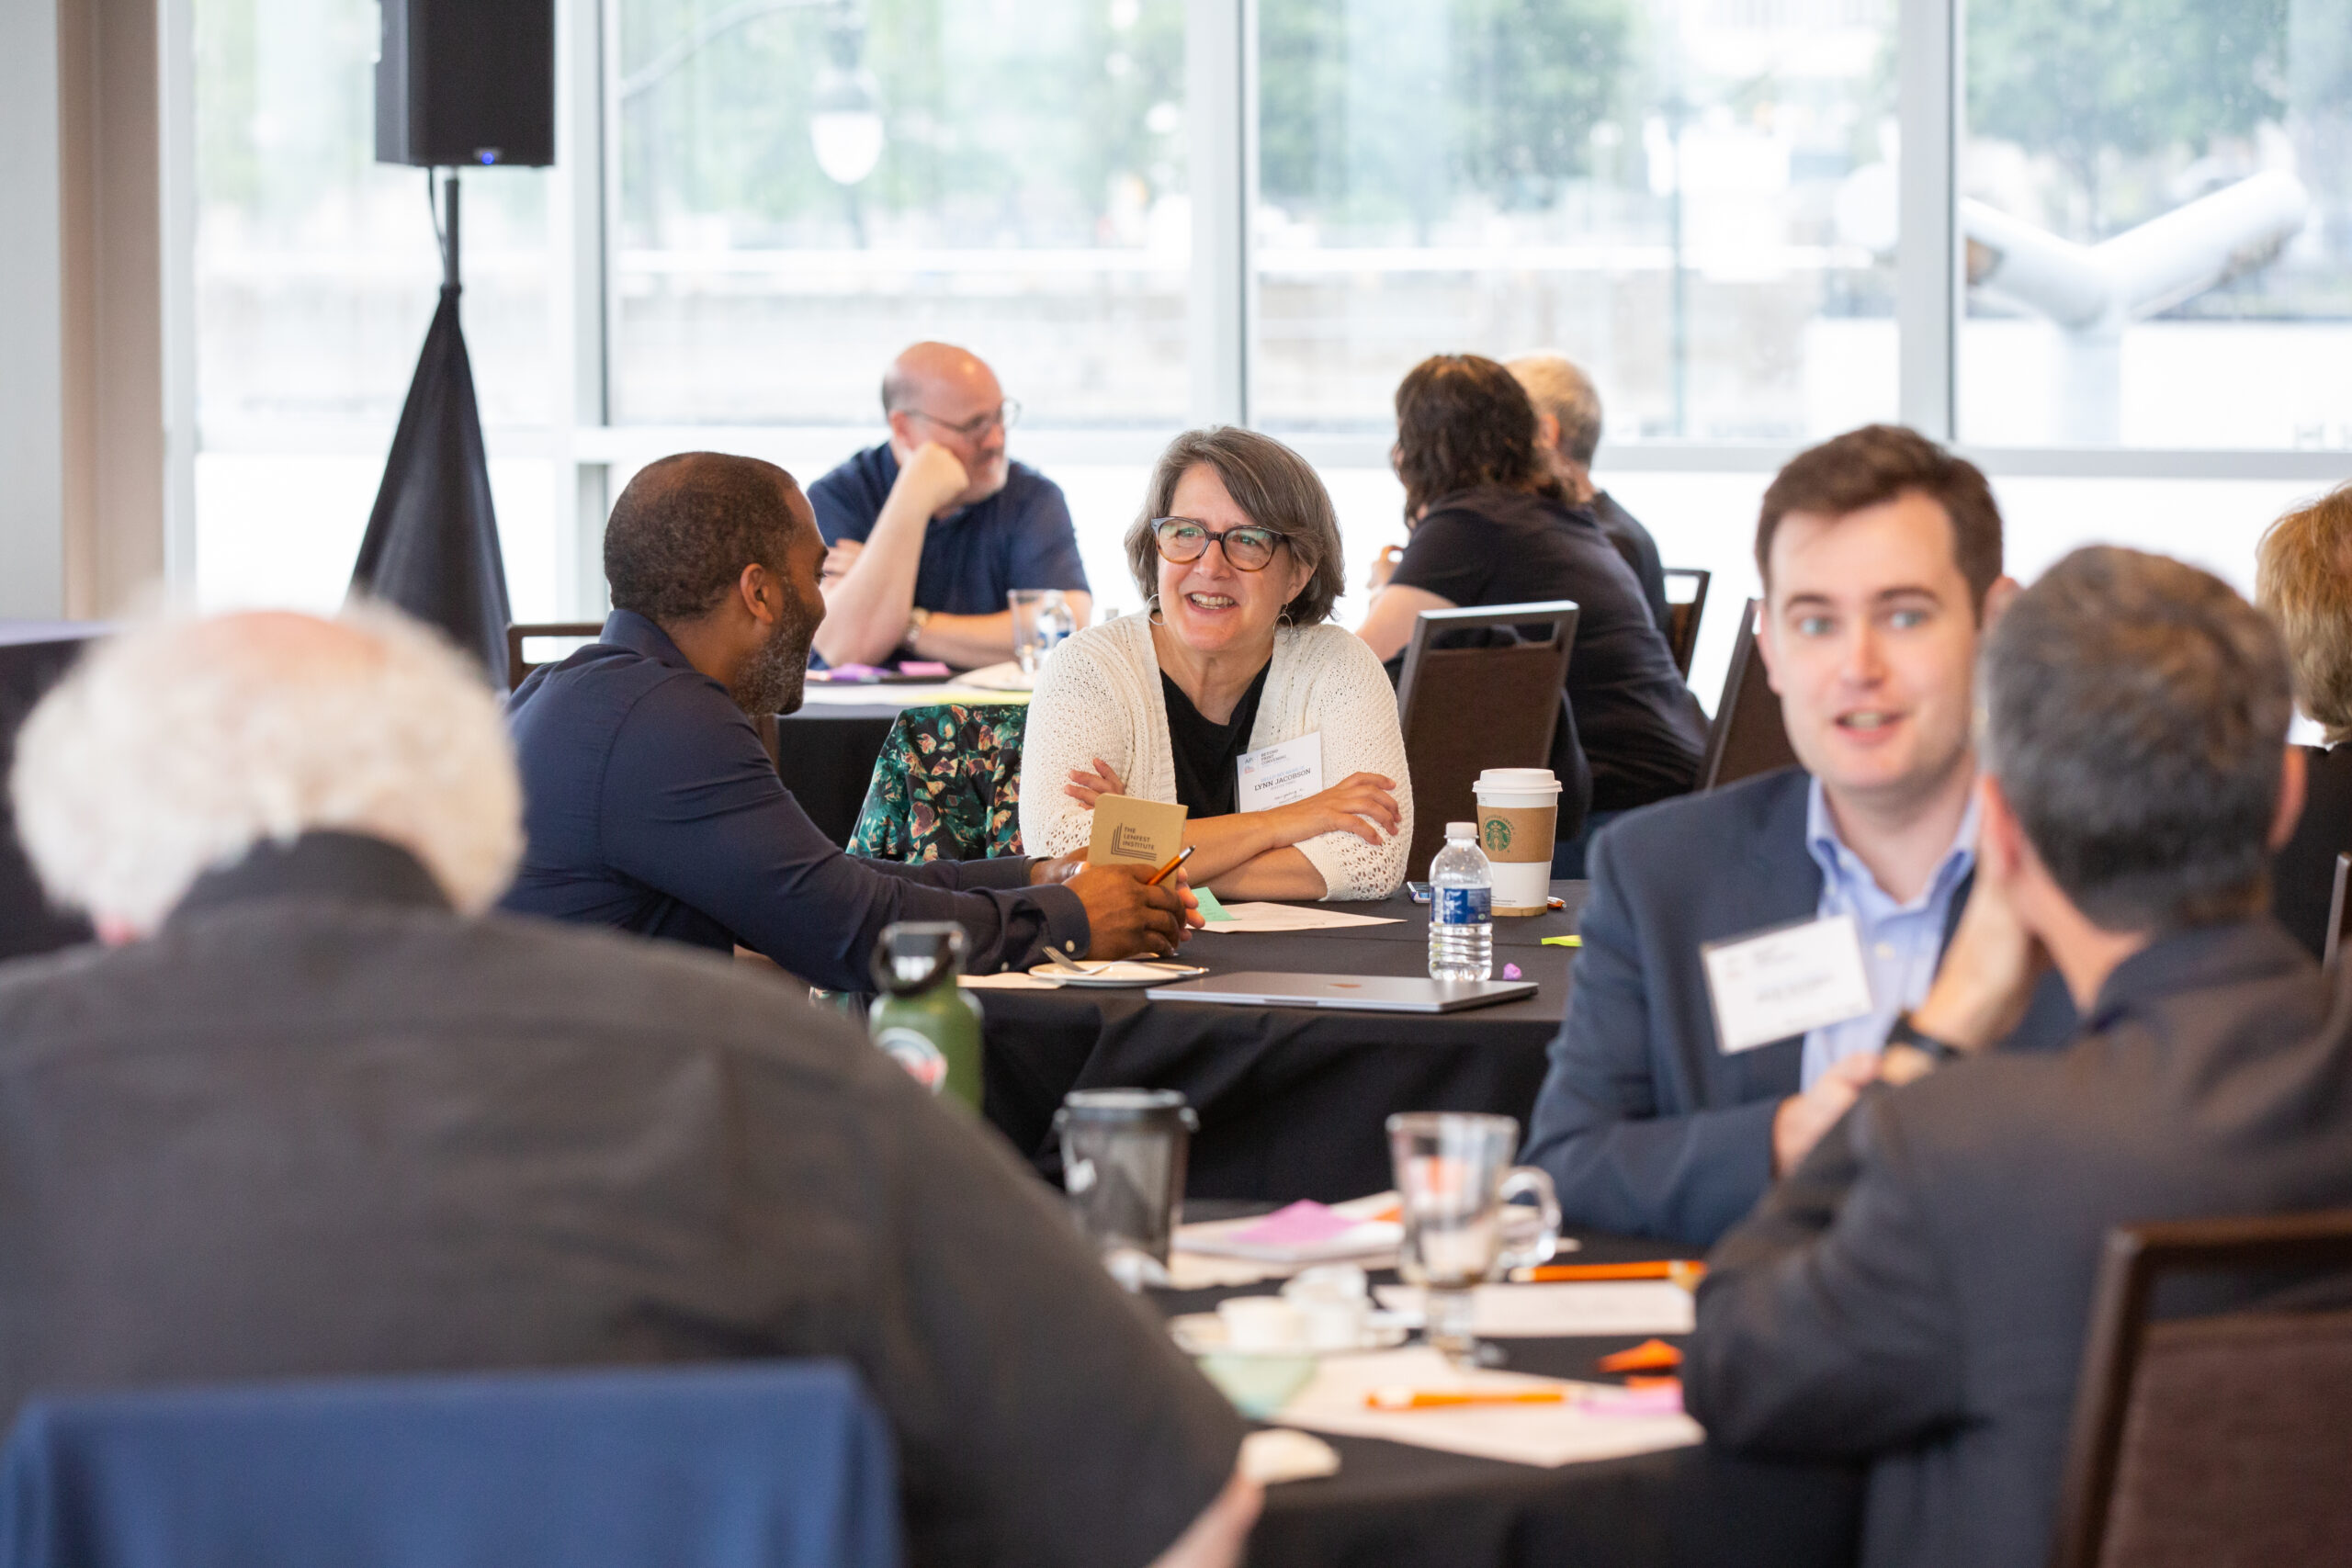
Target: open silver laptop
1368	993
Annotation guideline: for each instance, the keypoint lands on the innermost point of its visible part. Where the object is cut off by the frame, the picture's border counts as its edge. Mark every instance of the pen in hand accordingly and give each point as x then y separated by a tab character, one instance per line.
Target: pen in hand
1163	873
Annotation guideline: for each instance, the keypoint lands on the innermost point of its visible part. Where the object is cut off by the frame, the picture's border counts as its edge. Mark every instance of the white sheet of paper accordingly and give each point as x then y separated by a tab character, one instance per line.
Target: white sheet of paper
1551	1312
1011	980
1786	981
1280	774
1292	918
1544	1435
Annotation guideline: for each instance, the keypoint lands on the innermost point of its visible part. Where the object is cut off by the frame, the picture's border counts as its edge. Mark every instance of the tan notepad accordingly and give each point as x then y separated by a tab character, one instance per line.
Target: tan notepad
1128	832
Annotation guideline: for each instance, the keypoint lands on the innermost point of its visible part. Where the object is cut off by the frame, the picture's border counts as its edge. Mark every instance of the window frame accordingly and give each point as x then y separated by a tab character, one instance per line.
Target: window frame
586	452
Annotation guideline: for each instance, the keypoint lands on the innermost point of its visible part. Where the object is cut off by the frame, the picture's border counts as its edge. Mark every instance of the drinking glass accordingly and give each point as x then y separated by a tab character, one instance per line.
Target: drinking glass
1456	1188
1041	618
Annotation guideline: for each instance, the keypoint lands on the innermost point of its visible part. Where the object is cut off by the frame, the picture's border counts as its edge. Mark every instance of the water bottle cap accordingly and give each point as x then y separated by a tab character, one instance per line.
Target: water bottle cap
1461	830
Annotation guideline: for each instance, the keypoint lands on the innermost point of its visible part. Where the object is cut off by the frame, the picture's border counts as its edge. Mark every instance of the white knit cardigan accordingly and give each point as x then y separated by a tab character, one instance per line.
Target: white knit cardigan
1099	696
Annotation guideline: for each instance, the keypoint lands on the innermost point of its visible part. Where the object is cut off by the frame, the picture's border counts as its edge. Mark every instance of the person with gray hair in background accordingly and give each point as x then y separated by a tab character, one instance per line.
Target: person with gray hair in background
314	1111
1567	429
1915	1292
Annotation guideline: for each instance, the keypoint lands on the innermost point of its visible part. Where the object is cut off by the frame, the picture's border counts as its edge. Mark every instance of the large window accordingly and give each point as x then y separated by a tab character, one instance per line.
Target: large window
808	185
2156	199
1655	189
2093	239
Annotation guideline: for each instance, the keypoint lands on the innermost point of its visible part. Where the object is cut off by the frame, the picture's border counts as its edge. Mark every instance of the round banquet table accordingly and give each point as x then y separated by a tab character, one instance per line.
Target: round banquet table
1396	1504
1291	1100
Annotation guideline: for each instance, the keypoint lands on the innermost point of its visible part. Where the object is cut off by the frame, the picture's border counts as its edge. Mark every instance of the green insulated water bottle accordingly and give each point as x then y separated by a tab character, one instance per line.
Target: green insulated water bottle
923	1019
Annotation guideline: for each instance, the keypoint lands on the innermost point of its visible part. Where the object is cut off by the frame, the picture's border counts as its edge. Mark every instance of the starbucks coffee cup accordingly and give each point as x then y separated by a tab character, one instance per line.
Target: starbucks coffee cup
1519	809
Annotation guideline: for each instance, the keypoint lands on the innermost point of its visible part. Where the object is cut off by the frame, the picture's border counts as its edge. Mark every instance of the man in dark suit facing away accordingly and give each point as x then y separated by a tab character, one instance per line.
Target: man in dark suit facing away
1671	1105
1916	1292
314	1111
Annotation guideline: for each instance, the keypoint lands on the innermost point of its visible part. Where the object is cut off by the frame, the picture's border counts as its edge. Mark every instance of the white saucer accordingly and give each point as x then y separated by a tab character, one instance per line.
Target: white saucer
1123	974
1203	1334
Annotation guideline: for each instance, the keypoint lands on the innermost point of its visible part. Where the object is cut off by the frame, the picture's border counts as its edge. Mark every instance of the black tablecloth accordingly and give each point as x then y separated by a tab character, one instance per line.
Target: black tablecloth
1291	1100
1392	1504
826	755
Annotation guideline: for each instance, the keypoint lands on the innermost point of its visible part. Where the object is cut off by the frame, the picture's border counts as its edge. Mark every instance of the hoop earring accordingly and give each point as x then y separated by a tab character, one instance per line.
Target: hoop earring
1284	621
1151	612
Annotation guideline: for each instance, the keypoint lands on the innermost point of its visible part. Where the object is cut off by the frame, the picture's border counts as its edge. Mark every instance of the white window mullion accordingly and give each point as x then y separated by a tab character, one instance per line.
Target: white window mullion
1221	117
1928	259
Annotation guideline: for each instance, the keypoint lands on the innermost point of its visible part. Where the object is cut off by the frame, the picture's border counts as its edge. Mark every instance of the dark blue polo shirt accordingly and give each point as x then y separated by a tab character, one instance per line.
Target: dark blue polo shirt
1018	537
650	804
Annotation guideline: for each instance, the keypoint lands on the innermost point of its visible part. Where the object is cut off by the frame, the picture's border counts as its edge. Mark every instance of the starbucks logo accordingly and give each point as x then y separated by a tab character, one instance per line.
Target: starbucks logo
1497	834
912	1050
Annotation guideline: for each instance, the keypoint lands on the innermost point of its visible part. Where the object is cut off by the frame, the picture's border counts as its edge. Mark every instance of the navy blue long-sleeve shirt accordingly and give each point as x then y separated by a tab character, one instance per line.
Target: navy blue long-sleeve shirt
651	805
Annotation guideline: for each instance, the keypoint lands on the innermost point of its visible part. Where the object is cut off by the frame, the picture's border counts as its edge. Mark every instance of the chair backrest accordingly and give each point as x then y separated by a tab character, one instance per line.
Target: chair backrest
1683	612
781	1465
2329	953
574	631
1465	709
2216	1439
1746	737
947	784
34	656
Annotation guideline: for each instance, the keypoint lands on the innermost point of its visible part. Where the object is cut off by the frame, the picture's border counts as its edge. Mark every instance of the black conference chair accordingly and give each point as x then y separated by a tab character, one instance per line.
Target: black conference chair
34	656
1683	613
1747	737
2215	1440
573	633
1484	688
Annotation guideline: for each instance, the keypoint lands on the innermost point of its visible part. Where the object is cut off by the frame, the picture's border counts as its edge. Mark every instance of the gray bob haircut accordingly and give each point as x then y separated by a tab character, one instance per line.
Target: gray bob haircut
1274	487
2135	711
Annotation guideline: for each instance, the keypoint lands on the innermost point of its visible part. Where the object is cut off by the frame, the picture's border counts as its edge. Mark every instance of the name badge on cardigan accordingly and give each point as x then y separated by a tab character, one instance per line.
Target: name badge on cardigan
1789	980
1281	774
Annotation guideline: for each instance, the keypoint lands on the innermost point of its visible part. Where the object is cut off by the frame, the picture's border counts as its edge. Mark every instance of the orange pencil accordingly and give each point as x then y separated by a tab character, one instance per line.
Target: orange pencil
1681	1271
1164	871
1438	1399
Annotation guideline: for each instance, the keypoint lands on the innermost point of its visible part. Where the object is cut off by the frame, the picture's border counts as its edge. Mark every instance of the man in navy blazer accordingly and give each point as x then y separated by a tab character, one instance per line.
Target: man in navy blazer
1881	557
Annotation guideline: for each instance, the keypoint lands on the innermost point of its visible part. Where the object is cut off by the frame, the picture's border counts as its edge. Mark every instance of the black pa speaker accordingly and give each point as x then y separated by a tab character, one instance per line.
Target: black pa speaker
465	81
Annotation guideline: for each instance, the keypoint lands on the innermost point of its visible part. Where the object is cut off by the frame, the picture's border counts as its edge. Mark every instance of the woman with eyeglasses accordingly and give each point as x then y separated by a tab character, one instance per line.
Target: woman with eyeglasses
1231	694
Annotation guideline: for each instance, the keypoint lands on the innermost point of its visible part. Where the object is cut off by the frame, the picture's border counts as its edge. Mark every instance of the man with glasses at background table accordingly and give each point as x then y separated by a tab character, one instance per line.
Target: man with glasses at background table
927	532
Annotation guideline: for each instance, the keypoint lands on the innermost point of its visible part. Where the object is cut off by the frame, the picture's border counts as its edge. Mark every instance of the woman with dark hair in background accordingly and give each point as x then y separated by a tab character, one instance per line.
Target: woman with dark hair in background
1491	526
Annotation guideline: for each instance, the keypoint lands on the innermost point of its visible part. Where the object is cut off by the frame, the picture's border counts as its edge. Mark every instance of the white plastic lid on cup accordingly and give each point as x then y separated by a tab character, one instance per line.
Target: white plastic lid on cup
1461	830
1496	786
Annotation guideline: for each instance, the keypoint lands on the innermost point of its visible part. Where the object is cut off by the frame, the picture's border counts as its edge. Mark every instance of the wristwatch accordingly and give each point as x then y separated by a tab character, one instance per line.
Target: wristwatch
917	618
1903	1031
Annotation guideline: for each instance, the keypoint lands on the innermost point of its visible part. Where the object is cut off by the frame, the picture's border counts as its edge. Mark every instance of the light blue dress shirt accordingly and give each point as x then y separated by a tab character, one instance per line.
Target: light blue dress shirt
1900	942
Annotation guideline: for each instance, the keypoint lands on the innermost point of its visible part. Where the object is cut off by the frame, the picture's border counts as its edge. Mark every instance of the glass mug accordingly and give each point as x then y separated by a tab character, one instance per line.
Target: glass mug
1455	1189
1041	619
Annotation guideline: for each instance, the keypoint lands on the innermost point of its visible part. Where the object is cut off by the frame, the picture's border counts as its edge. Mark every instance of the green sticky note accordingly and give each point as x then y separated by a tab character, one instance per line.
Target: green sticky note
1210	908
1564	941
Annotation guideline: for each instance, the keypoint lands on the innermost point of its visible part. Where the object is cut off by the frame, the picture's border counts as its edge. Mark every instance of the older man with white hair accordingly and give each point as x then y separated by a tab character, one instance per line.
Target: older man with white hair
312	1110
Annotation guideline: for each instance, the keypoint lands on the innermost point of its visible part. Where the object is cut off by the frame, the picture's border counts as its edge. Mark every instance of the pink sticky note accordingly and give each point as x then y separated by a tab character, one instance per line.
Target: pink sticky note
1511	972
1303	1223
1665	1399
928	667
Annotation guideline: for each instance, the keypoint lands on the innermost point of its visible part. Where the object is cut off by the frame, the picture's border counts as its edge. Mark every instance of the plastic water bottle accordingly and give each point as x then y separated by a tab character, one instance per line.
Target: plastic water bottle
1461	902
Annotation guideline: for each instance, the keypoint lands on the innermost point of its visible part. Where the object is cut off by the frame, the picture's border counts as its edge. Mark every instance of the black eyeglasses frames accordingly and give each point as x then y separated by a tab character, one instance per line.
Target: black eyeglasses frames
1006	414
1184	541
